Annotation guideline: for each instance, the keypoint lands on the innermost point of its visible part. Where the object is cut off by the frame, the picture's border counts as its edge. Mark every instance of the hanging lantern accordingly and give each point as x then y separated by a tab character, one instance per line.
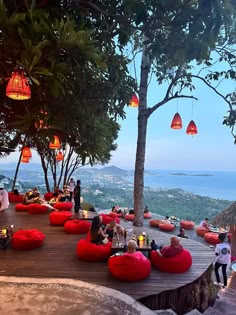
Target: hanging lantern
26	152
25	159
59	156
134	102
18	87
56	144
192	128
176	122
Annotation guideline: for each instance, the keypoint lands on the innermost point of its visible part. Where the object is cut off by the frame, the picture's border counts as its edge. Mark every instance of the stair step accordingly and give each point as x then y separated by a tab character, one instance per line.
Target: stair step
213	311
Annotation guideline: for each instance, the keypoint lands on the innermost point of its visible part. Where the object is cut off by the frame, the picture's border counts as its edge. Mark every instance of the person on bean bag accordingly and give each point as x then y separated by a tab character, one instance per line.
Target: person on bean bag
173	249
97	235
131	250
114	228
182	233
205	223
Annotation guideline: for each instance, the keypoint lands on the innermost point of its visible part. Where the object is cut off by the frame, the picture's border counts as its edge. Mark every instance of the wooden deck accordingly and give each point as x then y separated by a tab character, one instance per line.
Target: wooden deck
57	258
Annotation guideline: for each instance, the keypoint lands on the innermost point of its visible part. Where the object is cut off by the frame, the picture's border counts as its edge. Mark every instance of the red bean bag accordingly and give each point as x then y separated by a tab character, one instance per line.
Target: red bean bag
166	227
106	218
36	208
59	217
27	239
129	217
177	264
15	198
212	238
63	206
129	267
48	196
201	231
154	223
89	251
21	207
147	215
187	224
77	226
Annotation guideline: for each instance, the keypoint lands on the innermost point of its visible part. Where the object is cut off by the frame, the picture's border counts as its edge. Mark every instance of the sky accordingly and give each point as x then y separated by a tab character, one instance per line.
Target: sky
211	149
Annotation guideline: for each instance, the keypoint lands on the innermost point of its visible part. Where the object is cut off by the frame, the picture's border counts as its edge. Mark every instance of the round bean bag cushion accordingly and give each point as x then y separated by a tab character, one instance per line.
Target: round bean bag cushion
77	226
89	251
154	223
106	218
27	239
36	208
166	227
201	231
15	198
63	206
147	215
177	264
187	224
129	217
129	267
59	217
211	238
21	207
48	196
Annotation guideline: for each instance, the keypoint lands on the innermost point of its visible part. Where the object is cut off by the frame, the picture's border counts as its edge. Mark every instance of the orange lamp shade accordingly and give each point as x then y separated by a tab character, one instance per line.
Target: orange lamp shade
25	159
56	144
59	156
134	102
192	128
18	87
26	152
176	122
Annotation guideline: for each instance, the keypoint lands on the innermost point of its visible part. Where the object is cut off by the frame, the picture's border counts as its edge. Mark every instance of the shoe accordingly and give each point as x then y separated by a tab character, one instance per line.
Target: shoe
218	284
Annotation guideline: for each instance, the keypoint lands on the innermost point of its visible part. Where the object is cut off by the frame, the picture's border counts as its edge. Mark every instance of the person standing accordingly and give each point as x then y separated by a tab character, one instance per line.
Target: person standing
223	258
77	196
4	200
71	188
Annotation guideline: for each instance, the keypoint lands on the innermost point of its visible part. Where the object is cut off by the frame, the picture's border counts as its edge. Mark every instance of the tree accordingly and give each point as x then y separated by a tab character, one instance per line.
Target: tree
173	35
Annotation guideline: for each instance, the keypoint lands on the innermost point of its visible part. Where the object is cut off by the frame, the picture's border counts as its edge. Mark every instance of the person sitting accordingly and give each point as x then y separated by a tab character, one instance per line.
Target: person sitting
173	249
66	193
92	209
205	223
166	220
131	250
54	199
114	228
113	209
96	232
61	197
146	210
16	192
182	233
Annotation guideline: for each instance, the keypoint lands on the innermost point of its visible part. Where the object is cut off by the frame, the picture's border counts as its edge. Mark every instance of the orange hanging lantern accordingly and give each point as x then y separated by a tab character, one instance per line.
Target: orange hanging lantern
26	152
25	159
56	144
192	128
59	156
134	102
176	122
18	87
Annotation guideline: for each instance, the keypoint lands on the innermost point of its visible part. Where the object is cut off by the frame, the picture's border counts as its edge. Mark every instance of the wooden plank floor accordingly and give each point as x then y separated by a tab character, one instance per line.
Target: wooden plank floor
57	258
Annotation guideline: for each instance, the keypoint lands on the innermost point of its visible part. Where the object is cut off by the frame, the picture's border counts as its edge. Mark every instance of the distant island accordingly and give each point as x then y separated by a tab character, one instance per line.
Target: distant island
184	174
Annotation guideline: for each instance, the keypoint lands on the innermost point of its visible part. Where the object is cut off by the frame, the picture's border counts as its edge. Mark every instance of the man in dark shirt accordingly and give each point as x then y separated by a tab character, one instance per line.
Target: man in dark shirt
77	196
182	233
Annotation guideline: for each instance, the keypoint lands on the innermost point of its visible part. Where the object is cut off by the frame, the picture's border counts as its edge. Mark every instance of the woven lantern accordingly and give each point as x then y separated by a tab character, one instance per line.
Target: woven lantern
18	87
134	101
59	156
25	159
192	128
56	144
26	152
176	122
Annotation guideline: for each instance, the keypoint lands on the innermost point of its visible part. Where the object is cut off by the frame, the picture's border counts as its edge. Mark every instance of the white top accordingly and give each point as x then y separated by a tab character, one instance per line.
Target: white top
4	199
71	186
224	257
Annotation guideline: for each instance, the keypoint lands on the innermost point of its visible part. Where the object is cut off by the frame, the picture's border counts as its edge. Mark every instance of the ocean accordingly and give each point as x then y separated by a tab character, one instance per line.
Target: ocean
219	185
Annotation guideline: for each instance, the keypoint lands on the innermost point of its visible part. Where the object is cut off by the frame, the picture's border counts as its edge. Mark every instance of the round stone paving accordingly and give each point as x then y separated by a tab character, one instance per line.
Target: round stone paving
26	296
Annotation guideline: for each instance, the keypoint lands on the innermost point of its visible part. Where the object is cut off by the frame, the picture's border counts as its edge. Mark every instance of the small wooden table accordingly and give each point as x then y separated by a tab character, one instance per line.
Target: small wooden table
121	245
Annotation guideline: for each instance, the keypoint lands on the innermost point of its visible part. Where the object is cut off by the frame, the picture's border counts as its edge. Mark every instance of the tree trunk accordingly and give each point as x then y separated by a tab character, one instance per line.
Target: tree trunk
141	141
45	171
16	172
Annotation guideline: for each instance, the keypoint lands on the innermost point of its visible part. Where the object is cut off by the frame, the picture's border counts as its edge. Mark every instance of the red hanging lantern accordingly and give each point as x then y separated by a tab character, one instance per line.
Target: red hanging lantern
176	122
59	156
26	152
192	128
134	102
56	144
18	87
25	159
